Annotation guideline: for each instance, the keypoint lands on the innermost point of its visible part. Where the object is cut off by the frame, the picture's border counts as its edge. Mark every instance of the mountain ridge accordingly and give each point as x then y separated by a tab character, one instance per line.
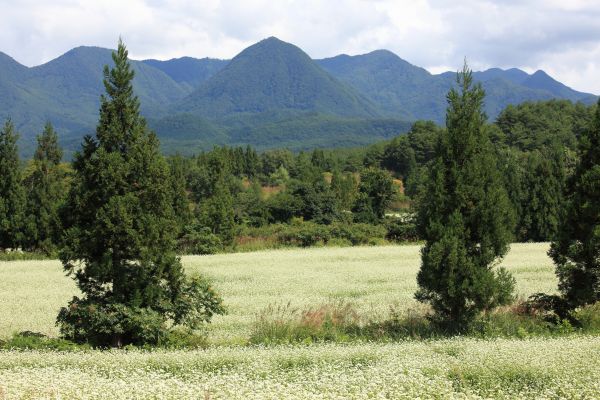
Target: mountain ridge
271	94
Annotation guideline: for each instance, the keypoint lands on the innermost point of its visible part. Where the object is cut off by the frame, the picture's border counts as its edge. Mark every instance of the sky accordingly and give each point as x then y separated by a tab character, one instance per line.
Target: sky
562	37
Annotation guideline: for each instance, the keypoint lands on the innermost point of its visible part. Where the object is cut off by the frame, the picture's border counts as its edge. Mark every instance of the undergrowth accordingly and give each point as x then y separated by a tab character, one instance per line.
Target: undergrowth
340	322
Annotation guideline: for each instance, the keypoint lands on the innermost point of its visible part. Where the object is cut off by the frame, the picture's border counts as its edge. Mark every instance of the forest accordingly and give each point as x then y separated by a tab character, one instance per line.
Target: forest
237	198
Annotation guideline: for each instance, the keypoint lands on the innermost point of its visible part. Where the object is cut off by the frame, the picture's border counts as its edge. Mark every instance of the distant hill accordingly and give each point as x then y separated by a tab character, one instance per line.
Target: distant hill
66	91
272	94
274	76
188	71
402	89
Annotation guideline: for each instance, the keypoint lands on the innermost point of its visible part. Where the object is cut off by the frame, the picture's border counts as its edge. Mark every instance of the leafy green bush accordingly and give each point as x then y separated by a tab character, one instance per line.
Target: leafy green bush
197	239
358	234
400	230
304	234
588	318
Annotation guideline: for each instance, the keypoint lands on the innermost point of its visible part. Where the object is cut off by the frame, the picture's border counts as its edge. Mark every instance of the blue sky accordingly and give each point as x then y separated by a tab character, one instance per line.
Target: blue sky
560	37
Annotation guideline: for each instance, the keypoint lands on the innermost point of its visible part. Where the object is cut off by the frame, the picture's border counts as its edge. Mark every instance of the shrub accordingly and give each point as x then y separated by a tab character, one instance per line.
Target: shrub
197	239
588	318
401	230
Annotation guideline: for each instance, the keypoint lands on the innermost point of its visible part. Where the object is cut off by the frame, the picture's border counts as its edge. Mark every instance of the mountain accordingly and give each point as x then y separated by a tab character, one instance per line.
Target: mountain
388	81
66	91
188	71
401	89
273	75
272	94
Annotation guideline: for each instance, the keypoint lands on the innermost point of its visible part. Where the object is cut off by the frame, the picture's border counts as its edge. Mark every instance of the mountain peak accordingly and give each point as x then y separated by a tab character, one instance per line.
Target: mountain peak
275	75
540	72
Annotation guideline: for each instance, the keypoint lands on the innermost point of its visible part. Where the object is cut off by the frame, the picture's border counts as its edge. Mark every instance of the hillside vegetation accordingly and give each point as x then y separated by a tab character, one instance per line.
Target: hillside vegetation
270	95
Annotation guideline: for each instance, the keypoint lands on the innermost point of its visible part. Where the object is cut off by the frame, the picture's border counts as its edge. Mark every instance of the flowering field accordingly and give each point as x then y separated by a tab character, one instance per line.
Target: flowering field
372	278
445	369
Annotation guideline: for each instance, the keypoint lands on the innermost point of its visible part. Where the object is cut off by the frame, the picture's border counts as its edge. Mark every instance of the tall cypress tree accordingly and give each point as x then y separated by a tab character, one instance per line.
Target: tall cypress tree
576	251
12	193
544	184
120	237
465	217
45	194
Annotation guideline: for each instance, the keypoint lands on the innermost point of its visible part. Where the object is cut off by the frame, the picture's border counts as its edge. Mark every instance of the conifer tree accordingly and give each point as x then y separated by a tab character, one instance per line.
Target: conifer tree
576	251
12	193
543	195
464	216
121	228
45	194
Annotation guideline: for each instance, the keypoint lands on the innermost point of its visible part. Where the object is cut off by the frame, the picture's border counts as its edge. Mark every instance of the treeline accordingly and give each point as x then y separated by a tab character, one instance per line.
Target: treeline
233	196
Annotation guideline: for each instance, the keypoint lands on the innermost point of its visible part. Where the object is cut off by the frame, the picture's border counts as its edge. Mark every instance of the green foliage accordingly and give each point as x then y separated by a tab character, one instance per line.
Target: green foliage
199	239
465	218
121	228
534	125
46	188
12	193
542	204
306	233
375	193
217	213
576	250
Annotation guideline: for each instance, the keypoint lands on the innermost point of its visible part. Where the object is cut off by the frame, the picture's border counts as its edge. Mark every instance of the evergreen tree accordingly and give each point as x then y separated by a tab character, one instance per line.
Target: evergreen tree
217	212
181	204
542	205
121	229
45	194
576	251
464	216
12	193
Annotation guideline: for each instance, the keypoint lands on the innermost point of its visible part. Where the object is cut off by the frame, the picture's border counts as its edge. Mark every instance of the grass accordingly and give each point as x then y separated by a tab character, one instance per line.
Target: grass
371	278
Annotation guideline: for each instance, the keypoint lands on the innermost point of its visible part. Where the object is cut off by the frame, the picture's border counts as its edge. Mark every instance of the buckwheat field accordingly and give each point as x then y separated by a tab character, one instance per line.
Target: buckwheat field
371	278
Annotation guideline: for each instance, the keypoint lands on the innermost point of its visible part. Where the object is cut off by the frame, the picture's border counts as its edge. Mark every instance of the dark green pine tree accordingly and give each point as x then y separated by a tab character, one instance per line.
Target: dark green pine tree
12	193
45	194
576	251
181	202
543	202
465	217
120	231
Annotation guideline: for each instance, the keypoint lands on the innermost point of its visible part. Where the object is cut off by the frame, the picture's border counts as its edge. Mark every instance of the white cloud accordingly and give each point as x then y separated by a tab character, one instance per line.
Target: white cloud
561	37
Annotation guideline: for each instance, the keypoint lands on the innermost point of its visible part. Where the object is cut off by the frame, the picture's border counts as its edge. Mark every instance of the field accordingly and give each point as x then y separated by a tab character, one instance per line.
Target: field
372	278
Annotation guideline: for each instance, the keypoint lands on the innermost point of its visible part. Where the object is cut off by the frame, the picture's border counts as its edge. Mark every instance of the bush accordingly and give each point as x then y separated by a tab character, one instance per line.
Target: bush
304	234
588	318
198	239
401	230
551	308
358	234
